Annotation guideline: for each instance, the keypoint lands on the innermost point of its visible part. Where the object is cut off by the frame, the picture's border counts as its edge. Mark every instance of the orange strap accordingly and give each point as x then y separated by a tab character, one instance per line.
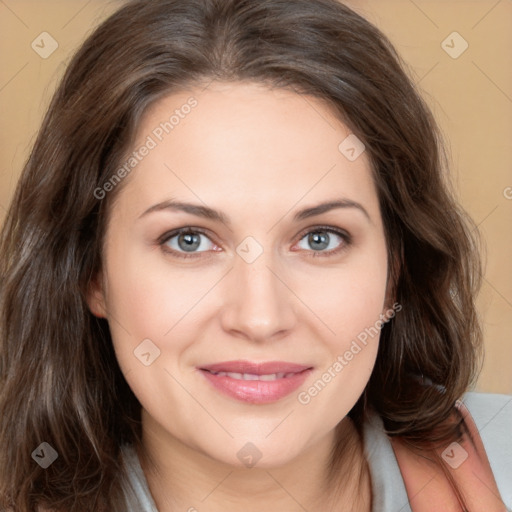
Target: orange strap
429	489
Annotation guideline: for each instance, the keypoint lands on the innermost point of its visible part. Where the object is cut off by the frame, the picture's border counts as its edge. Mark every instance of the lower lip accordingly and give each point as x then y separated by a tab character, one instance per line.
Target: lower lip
256	391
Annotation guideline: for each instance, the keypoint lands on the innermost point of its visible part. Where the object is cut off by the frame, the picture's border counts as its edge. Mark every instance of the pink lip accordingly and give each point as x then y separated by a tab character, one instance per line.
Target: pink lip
256	391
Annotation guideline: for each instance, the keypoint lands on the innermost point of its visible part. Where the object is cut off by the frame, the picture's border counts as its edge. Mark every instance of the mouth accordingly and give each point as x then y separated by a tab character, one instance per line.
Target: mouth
256	383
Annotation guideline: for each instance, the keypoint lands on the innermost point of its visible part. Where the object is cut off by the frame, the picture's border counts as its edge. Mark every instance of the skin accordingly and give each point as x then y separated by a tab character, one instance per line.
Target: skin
258	155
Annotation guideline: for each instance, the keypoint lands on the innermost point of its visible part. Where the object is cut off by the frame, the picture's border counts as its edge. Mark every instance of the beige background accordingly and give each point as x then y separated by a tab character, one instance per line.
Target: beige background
471	96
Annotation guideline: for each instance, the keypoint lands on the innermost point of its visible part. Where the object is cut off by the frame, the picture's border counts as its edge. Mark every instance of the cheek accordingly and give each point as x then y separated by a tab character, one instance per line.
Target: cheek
356	323
150	312
145	296
352	310
350	302
359	306
150	299
347	300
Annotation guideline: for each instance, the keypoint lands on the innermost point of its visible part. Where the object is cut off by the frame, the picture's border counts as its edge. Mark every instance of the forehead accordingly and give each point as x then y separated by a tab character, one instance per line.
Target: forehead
242	140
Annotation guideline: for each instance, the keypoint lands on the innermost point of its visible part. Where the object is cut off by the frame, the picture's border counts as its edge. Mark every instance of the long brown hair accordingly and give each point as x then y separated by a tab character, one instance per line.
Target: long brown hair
59	379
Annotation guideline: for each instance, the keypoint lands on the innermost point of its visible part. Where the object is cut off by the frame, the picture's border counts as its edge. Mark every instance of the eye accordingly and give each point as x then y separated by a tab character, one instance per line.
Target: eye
185	242
323	243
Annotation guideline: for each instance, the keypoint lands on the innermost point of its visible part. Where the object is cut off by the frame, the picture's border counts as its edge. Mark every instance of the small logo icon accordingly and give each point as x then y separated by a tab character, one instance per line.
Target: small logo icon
249	249
454	455
249	455
44	455
454	45
146	352
351	147
44	45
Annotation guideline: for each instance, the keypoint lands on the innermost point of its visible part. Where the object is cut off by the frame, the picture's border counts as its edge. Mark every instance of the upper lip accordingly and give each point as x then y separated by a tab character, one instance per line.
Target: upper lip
254	368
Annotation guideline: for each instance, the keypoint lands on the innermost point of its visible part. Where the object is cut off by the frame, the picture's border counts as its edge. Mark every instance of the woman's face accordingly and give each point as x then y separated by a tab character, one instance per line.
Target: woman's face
268	278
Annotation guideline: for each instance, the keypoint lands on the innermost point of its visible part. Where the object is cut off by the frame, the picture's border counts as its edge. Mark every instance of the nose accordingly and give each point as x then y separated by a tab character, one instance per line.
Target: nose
259	304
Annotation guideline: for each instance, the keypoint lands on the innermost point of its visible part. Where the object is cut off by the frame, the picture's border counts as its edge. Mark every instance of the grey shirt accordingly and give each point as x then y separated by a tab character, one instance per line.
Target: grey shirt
493	417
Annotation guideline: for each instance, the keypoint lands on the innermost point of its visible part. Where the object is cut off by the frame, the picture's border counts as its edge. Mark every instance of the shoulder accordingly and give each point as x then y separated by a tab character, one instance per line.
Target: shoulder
492	414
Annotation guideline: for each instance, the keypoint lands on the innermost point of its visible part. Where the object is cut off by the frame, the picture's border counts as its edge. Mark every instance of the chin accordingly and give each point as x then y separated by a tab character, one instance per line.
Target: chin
261	455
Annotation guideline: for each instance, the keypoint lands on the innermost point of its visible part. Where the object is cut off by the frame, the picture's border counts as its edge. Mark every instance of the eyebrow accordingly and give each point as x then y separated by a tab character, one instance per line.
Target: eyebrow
209	213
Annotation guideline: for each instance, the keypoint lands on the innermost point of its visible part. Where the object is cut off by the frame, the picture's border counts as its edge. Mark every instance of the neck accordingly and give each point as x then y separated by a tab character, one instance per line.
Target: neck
181	478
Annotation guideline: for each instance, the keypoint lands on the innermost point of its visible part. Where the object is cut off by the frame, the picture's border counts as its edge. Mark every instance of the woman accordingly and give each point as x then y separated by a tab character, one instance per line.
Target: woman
235	277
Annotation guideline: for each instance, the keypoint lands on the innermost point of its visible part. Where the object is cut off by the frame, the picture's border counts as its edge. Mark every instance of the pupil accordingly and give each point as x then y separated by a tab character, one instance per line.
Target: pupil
191	241
317	238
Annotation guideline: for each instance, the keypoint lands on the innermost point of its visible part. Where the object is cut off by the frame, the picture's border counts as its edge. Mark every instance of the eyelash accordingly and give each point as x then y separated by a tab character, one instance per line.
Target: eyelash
346	237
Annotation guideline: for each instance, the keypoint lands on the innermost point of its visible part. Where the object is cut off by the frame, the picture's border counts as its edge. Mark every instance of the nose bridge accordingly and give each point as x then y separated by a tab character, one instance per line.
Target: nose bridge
260	302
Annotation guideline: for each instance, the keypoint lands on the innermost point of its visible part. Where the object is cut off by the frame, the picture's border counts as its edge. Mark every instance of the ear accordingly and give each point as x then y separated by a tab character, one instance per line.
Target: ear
96	296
